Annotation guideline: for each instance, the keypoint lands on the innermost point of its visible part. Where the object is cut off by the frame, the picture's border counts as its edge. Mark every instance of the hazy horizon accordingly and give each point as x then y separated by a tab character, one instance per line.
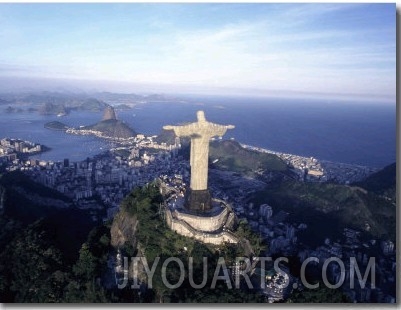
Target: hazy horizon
37	85
314	50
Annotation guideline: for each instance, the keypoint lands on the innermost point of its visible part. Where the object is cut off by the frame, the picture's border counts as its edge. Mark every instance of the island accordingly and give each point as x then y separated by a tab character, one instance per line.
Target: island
56	126
108	128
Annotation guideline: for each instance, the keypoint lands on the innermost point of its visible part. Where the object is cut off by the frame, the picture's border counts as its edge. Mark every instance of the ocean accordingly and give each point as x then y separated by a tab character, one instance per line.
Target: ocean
355	133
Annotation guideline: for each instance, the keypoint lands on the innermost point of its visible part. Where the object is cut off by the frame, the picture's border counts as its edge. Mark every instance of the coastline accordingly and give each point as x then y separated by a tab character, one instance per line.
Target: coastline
314	169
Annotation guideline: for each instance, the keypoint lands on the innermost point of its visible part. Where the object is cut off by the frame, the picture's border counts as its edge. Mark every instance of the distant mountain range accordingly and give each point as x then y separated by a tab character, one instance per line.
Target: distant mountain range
49	103
90	104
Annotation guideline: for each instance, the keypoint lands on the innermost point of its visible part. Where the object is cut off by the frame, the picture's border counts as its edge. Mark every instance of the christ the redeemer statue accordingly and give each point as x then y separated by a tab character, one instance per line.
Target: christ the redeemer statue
200	133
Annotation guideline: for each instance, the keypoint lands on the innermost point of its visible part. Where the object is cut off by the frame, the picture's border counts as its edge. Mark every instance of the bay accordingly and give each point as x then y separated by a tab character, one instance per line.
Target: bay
348	132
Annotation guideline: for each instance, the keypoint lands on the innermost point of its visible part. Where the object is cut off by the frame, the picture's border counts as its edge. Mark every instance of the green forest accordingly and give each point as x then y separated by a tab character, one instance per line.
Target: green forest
42	262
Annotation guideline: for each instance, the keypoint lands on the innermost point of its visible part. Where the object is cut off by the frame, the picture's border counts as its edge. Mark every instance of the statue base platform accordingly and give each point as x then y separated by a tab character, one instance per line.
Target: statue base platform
198	200
214	226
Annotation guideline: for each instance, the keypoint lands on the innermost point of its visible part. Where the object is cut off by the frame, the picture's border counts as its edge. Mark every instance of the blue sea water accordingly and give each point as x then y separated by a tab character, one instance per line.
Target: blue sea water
353	133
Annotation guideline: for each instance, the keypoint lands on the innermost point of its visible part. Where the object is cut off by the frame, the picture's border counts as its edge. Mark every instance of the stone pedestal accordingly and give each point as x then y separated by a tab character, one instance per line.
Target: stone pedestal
198	200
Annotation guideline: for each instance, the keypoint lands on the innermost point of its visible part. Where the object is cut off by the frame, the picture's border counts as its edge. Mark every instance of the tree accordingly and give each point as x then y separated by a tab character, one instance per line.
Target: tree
86	264
33	267
322	294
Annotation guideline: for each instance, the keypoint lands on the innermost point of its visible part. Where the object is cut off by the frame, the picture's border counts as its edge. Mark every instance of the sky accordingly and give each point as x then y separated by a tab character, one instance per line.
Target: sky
335	49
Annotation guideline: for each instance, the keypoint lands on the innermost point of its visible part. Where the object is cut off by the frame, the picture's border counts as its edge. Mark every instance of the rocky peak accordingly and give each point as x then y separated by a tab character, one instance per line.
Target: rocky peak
109	113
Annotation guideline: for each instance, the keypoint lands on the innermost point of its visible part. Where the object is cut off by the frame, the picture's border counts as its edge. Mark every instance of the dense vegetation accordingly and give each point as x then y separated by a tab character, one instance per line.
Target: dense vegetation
382	182
56	255
155	239
56	125
232	156
328	208
34	269
27	201
320	295
166	136
40	245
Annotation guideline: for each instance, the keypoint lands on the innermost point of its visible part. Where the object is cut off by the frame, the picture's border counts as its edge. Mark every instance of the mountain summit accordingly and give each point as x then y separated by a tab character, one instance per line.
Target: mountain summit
109	113
111	127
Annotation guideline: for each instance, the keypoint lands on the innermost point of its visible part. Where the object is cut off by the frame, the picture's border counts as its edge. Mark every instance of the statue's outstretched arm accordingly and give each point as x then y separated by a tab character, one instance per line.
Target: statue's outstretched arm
220	130
180	131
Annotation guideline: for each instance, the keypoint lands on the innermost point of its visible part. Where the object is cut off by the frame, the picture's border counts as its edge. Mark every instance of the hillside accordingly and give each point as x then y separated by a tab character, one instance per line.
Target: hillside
59	258
28	201
139	229
50	103
112	128
25	201
49	249
34	267
92	104
50	108
328	208
56	125
230	155
166	136
382	182
54	107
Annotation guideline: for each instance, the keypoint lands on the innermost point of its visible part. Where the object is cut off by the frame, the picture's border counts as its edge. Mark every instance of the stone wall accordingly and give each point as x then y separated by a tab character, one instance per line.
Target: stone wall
201	223
183	228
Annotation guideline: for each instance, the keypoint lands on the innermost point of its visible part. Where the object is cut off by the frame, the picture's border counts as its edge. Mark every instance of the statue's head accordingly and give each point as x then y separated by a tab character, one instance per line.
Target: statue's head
201	116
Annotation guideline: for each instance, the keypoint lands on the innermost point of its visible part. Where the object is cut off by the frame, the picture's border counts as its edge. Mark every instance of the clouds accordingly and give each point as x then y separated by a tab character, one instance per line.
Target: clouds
329	48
